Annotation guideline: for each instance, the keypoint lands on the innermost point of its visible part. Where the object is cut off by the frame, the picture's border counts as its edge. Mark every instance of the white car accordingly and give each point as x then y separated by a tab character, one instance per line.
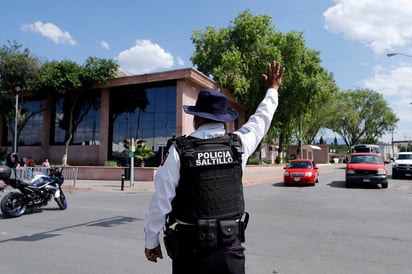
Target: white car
402	166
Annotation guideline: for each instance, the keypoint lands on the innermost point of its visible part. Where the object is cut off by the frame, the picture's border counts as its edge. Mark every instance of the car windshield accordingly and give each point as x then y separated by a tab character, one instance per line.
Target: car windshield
404	156
369	159
300	165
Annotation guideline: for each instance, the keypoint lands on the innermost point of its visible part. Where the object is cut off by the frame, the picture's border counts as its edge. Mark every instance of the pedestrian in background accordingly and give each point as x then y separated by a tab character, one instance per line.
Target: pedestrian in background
30	162
13	161
45	166
199	185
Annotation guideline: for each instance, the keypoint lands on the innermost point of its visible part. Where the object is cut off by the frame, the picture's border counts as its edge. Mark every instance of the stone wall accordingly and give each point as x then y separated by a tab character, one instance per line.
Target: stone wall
114	173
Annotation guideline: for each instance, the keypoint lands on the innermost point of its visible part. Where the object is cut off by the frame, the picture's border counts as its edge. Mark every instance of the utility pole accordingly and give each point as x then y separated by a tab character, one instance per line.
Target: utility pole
17	89
132	151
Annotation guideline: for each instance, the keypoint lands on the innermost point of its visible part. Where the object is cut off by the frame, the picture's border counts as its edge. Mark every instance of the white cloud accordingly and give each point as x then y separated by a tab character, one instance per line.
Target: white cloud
395	82
180	61
383	26
144	57
104	45
380	24
50	31
396	87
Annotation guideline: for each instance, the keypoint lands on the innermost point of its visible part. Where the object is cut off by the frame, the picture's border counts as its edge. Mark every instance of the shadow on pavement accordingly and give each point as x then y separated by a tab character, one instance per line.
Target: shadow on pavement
281	184
342	184
278	184
339	184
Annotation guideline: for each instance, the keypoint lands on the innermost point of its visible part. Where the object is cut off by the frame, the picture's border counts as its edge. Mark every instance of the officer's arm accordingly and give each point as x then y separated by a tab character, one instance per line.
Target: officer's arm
166	180
258	124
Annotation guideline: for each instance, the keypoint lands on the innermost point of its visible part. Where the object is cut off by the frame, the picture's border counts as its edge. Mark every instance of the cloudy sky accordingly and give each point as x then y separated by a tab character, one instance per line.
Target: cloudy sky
353	36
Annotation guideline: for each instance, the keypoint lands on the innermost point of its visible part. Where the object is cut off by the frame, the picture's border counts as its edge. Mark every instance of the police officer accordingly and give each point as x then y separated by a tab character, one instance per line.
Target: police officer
199	184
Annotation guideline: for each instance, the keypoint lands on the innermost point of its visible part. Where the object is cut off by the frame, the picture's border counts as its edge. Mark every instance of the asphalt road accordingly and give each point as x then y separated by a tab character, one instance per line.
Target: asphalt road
321	229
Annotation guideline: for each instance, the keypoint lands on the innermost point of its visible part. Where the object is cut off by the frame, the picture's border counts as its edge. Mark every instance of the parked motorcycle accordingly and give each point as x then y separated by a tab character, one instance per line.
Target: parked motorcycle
41	189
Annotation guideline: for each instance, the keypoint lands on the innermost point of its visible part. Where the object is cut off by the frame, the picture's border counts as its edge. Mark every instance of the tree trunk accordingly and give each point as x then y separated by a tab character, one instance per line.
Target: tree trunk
66	150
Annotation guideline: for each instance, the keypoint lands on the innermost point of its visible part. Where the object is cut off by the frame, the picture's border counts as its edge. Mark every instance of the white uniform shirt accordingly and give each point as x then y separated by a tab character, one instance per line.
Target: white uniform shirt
168	174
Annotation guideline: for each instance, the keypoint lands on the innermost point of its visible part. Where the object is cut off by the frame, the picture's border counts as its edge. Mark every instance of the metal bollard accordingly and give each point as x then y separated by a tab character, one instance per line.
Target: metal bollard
122	184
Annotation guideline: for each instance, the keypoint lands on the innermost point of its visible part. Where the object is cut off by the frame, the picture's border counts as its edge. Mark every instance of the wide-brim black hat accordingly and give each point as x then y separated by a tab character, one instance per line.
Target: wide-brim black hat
212	104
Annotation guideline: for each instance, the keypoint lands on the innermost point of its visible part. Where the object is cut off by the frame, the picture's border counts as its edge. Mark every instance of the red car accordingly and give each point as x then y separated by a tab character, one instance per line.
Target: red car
301	172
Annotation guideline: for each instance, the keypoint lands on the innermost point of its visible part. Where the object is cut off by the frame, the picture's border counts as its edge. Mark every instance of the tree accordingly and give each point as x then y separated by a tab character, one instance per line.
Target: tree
308	89
18	70
72	82
362	116
235	57
321	141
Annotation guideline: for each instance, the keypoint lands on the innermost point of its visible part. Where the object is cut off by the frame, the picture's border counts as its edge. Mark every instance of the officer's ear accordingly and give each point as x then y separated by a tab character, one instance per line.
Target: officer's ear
197	122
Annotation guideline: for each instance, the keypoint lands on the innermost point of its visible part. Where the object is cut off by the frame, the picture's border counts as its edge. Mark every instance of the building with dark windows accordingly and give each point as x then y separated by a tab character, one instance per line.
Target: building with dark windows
147	107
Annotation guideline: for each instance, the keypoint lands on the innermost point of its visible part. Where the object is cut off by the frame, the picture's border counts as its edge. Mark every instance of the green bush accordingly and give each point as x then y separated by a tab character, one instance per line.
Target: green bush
256	161
111	163
267	161
253	161
144	153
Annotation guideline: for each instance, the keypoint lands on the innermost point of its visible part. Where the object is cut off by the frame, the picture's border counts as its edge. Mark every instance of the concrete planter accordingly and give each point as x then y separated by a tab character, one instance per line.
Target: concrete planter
114	173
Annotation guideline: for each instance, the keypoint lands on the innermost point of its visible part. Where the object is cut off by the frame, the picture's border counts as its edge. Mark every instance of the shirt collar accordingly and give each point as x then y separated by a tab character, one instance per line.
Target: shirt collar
209	130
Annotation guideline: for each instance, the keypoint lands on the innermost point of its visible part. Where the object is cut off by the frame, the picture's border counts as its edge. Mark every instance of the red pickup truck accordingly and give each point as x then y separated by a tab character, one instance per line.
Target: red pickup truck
366	169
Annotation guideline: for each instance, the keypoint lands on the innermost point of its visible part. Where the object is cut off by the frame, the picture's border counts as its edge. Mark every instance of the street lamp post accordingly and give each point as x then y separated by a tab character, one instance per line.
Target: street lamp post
393	54
16	117
398	53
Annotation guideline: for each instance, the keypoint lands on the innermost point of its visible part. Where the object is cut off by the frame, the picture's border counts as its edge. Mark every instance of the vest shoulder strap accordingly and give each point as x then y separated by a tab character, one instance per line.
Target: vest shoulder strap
186	144
178	142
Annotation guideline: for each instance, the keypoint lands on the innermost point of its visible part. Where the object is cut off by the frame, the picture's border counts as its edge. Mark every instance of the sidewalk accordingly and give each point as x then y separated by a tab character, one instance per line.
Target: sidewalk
252	175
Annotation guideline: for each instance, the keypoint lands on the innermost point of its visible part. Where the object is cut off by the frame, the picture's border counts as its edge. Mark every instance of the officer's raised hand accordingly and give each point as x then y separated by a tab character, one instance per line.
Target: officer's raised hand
274	75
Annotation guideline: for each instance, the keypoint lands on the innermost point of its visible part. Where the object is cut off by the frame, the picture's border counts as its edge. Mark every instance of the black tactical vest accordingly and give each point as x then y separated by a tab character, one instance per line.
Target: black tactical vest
210	185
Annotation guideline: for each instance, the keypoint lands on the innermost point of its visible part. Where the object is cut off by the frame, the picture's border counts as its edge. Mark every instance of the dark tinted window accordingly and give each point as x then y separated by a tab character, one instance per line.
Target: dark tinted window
86	116
404	156
150	115
369	159
300	165
33	130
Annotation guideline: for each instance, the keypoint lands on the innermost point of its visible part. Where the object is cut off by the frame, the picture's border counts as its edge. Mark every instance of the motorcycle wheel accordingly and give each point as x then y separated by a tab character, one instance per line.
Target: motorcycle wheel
13	205
61	200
